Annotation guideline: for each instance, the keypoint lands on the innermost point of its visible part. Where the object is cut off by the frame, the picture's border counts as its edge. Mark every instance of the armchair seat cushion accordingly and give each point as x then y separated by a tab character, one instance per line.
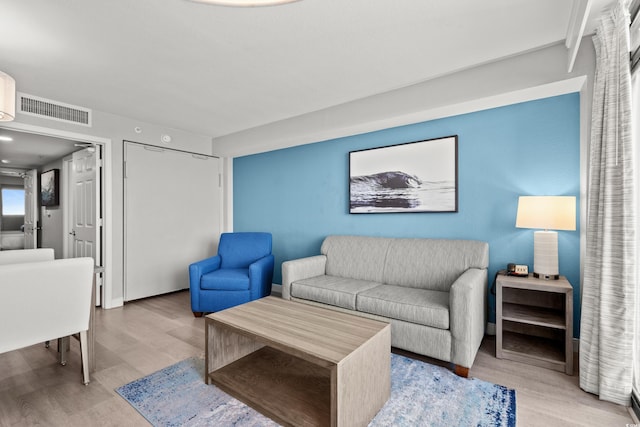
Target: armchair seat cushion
332	290
421	306
231	279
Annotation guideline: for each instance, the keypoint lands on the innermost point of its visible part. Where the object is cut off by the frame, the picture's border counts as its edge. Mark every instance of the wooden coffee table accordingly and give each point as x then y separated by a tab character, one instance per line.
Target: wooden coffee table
300	364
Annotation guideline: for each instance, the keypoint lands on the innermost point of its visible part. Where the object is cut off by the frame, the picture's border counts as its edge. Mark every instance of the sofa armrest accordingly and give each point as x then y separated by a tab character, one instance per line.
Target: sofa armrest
302	268
468	312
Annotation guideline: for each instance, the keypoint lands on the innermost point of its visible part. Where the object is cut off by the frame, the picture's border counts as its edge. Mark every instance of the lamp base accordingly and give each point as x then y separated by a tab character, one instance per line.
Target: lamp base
546	276
545	255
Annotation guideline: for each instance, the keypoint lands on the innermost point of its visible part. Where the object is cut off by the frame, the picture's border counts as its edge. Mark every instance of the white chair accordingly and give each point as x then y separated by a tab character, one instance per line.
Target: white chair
26	255
43	299
29	255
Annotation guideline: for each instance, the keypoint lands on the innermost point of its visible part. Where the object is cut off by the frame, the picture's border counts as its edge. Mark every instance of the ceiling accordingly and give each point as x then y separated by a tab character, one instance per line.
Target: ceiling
217	70
29	151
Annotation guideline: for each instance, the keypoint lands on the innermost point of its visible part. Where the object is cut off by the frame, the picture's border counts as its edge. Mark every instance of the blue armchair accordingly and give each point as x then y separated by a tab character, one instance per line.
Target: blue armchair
241	272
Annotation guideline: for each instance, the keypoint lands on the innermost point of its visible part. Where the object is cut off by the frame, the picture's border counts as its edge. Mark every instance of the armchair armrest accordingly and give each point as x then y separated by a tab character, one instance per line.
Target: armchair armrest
302	268
468	311
198	269
260	276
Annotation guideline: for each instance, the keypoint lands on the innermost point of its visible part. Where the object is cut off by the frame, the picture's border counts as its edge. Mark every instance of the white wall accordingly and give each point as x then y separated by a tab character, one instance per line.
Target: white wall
11	180
51	220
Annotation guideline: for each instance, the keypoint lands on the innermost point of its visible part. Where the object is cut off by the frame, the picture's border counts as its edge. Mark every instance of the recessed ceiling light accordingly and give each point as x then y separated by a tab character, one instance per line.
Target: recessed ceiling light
245	3
5	138
5	161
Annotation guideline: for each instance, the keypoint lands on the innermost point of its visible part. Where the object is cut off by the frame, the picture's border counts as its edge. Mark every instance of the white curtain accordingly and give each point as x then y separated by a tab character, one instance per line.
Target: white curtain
635	101
608	293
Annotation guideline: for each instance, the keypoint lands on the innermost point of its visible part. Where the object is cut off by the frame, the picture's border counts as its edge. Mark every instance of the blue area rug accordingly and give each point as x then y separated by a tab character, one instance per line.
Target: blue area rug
421	395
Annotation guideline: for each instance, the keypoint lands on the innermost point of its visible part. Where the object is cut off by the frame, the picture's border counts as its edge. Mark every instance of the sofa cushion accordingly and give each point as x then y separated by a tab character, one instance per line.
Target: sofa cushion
355	257
331	290
421	306
432	263
231	279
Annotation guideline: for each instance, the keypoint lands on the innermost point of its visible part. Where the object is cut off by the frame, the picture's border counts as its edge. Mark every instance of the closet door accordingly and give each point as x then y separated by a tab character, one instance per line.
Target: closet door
172	217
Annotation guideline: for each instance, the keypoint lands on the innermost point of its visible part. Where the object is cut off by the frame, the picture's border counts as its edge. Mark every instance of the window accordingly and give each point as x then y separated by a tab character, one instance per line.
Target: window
12	201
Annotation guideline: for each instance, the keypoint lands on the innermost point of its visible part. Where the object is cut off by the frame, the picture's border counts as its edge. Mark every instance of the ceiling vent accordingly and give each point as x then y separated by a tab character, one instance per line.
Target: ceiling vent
54	110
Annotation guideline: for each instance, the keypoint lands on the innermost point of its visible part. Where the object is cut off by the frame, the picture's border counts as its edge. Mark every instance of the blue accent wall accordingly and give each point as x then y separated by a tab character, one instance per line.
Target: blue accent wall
301	194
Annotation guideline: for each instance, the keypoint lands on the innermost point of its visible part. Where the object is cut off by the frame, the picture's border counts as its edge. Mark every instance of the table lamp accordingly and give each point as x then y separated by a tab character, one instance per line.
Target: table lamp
548	213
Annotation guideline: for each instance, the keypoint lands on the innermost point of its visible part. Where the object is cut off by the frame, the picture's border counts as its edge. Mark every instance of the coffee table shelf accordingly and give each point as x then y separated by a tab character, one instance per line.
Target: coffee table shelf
299	390
299	364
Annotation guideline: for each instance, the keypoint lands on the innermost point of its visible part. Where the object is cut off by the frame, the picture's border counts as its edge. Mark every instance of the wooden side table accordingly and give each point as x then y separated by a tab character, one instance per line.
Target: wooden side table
534	321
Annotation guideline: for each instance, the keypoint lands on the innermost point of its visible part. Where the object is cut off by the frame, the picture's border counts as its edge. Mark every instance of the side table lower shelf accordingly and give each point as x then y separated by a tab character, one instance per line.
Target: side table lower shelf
522	348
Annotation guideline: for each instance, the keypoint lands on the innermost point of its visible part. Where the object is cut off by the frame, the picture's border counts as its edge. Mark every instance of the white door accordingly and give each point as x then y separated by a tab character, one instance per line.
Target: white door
86	233
31	209
172	217
67	203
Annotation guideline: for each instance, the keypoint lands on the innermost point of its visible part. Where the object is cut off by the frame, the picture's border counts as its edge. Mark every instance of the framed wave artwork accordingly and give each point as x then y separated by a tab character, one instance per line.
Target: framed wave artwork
50	188
419	176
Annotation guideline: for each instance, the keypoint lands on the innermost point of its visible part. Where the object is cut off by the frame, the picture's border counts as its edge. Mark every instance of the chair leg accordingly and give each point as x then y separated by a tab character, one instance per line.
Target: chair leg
63	347
46	344
84	353
197	314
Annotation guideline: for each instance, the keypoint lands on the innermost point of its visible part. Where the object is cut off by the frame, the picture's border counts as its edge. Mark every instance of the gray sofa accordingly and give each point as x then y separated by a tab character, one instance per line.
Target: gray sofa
433	292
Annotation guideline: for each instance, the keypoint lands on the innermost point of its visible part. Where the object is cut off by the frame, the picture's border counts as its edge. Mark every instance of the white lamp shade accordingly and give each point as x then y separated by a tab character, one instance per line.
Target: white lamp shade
547	212
7	97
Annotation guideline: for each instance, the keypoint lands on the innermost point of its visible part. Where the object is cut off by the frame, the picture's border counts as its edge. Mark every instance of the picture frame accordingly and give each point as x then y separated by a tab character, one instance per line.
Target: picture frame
412	177
50	188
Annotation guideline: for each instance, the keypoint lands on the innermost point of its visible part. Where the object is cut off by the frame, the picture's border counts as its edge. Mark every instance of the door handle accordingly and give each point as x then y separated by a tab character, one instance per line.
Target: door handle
73	232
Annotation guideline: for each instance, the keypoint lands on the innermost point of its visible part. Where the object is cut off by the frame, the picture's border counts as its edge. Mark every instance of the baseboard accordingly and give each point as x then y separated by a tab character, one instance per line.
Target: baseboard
276	290
114	303
634	409
491	328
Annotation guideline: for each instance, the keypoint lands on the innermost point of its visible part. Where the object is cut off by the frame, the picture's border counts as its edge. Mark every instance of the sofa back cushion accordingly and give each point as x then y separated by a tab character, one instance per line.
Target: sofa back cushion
355	257
432	263
417	263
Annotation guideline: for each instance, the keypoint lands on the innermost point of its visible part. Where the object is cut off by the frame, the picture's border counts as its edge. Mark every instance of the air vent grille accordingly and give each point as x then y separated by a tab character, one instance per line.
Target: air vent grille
49	109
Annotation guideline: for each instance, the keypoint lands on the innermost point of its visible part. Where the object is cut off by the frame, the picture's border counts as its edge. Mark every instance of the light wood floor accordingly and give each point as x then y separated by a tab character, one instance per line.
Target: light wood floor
148	335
